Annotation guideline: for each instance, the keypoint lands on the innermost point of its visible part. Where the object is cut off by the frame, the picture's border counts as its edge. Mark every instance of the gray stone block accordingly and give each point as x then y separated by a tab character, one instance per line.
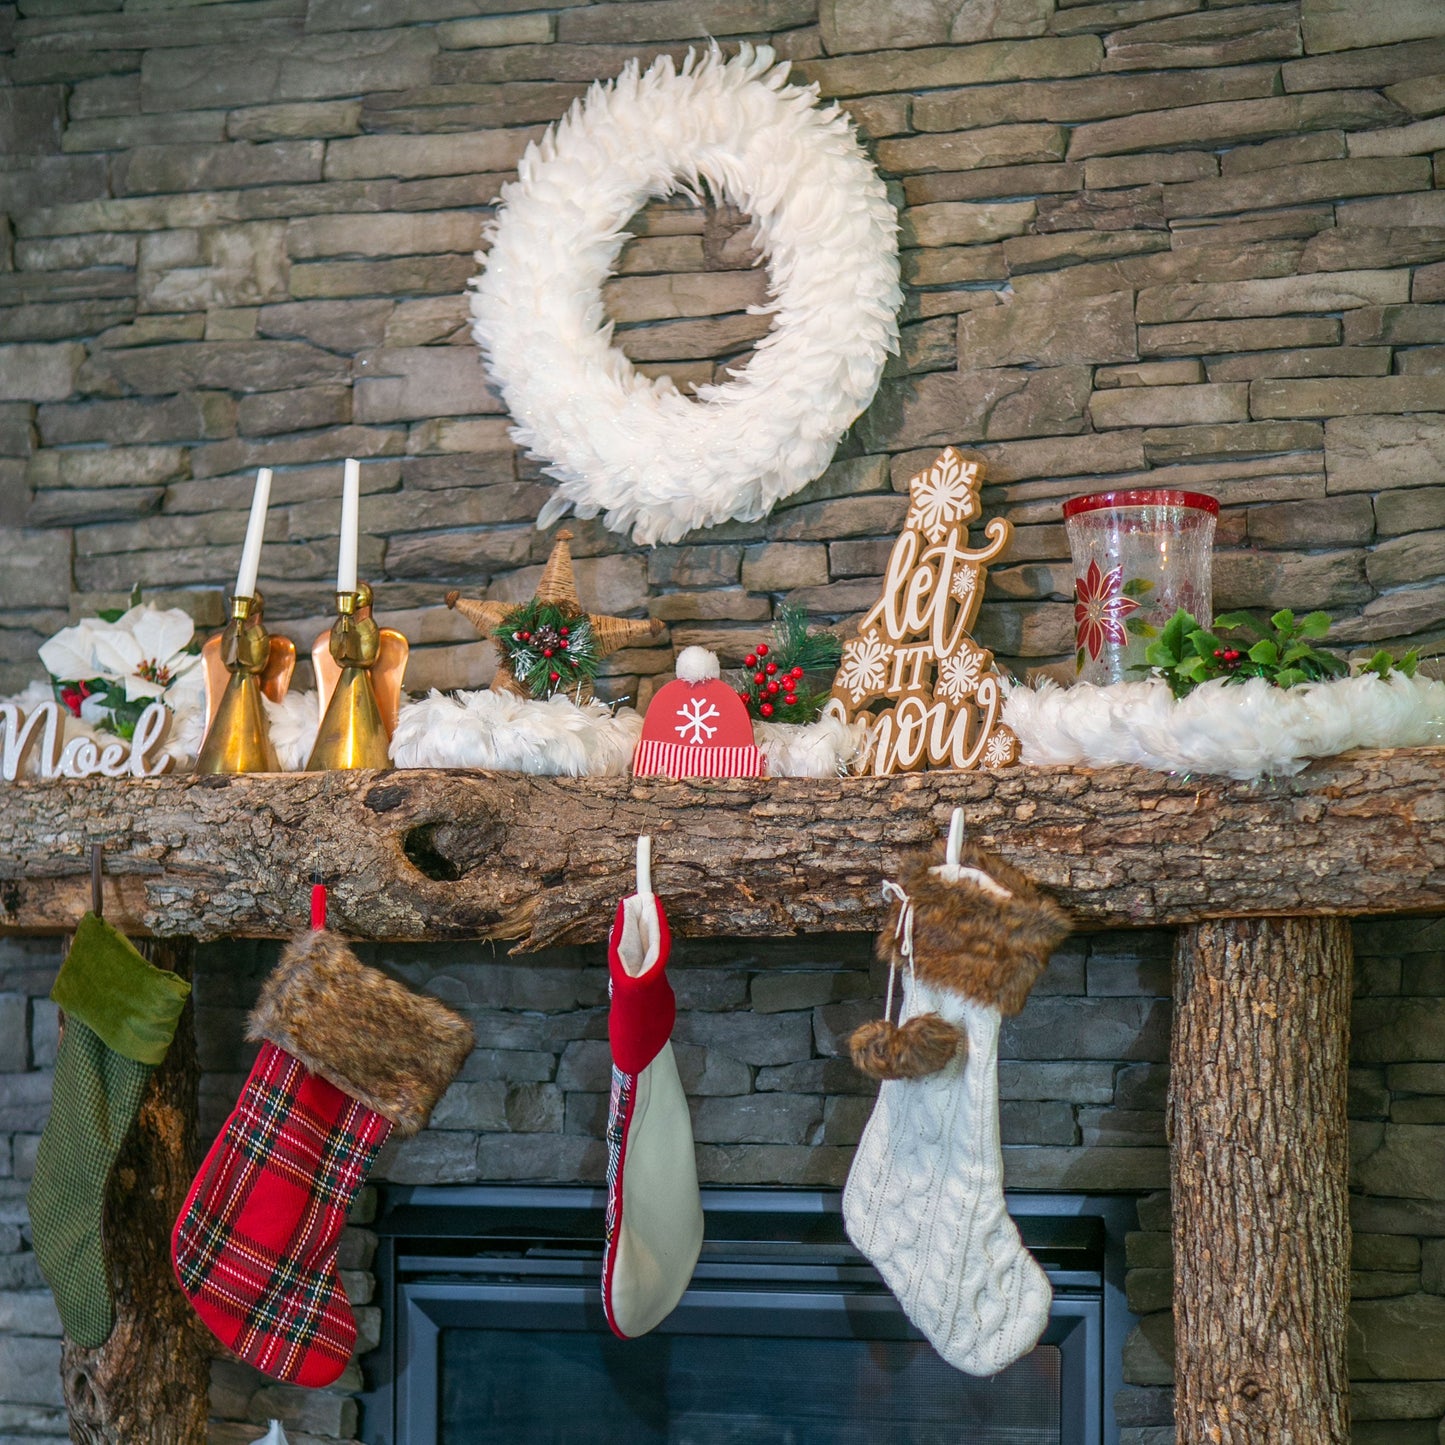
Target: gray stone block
14	1033
318	1412
225	365
1128	1029
430	1158
1149	1351
472	1106
1026	1121
573	1159
1414	509
149	170
35	372
30	1370
820	1166
400	384
750	1038
28	1312
1080	1083
758	1119
311	68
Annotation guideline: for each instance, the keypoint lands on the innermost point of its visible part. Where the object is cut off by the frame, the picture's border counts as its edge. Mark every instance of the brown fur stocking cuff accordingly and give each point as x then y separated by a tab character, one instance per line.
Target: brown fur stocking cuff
971	940
394	1050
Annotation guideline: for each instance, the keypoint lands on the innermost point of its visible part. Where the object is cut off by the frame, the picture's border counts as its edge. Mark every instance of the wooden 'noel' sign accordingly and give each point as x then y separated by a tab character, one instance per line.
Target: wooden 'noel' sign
913	653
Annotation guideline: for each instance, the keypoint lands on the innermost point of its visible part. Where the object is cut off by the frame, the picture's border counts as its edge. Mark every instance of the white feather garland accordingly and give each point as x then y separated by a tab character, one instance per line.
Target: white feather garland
821	749
504	733
1242	730
655	462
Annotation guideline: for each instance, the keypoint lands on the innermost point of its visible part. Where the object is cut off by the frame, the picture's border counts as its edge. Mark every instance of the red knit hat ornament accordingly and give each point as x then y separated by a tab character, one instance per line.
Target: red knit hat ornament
697	726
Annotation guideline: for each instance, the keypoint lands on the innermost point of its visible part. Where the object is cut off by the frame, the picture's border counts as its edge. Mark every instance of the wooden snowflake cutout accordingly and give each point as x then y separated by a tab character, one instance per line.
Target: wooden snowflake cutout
931	694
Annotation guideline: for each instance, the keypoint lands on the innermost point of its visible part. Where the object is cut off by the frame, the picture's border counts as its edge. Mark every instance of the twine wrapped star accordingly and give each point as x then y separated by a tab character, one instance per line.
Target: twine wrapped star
557	588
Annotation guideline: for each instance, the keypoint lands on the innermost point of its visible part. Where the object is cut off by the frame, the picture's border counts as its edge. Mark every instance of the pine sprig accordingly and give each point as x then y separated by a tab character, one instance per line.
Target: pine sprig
548	650
1281	651
789	680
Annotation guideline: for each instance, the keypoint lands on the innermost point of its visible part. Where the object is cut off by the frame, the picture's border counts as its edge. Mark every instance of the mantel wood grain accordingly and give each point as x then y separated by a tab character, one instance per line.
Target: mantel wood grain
428	855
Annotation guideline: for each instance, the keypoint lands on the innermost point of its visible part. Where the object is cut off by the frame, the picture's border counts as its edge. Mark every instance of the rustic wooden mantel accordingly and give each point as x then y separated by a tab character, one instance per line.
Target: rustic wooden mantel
1260	877
432	855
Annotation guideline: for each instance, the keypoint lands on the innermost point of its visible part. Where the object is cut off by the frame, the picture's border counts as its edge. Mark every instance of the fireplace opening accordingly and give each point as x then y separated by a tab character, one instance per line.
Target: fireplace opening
493	1331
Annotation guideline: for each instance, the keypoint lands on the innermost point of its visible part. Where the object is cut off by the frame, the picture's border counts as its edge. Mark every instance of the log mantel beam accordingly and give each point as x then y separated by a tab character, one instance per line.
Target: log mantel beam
417	855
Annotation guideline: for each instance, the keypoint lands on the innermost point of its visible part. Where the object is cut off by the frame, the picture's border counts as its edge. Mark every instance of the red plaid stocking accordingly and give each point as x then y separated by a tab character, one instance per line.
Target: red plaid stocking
255	1247
346	1056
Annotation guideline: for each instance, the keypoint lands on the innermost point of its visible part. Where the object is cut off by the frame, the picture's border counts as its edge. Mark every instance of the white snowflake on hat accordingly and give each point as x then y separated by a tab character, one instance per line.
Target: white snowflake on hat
697	726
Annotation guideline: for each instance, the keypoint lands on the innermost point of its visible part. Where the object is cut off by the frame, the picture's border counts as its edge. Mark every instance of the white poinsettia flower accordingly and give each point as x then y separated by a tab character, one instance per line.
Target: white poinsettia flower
146	647
70	655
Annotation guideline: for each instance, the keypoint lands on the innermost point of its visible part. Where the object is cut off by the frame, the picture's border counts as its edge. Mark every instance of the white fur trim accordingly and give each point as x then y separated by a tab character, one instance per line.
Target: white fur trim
655	462
1241	730
821	749
697	664
504	733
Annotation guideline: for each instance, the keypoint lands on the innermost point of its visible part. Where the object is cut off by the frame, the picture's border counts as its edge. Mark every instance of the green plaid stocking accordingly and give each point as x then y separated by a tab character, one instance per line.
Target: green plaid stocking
120	1017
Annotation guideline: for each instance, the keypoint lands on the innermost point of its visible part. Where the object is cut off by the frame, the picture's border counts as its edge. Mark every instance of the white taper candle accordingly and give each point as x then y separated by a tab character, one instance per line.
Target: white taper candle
255	532
350	520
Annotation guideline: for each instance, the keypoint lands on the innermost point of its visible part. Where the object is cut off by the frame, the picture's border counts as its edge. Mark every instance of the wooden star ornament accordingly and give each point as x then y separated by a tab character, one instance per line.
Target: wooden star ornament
557	588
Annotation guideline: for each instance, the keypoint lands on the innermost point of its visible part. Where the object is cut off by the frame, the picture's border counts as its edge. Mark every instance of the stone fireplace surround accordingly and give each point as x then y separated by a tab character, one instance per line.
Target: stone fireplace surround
760	1037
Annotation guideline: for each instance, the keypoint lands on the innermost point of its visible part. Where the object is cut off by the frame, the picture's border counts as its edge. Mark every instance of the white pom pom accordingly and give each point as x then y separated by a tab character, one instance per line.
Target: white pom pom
697	664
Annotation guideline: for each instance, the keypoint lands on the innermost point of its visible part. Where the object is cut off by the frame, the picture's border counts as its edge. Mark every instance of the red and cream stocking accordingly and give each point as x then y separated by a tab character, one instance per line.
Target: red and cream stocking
654	1213
924	1199
348	1056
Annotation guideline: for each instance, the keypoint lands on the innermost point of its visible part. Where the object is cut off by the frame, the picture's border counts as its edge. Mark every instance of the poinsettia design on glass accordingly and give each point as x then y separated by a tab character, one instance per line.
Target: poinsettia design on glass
864	668
106	670
959	674
1100	608
943	496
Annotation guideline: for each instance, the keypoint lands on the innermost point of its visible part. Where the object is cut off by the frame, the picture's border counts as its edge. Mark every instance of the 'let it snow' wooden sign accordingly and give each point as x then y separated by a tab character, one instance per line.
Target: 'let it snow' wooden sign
913	653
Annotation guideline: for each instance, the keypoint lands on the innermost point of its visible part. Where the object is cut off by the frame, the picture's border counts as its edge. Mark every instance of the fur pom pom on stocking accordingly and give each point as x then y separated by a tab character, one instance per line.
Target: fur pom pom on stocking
924	1198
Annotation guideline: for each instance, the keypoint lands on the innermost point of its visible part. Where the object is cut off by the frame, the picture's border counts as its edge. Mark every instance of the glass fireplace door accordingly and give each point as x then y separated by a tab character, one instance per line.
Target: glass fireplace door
786	1337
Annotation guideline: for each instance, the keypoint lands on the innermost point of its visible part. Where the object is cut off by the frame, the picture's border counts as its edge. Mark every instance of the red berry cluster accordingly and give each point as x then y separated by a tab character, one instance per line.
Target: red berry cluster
770	683
1228	657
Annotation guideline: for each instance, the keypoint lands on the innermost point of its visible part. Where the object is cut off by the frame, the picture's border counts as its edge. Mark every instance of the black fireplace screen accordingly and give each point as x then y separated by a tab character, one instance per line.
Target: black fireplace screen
494	1332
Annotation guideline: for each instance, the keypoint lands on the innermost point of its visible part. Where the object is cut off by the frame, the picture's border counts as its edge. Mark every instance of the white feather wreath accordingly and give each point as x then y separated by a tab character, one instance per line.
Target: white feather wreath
653	461
1242	730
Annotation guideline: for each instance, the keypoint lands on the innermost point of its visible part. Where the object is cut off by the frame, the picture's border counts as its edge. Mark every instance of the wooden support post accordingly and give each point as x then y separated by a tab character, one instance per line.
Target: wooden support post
150	1380
1259	1158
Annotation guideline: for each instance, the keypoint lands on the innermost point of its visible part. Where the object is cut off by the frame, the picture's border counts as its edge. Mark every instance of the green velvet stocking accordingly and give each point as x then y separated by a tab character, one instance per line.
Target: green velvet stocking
120	1017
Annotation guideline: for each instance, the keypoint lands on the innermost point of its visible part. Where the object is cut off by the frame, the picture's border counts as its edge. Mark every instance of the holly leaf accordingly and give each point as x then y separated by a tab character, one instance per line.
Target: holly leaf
1233	621
1290	677
1316	624
1264	652
1283	620
1205	644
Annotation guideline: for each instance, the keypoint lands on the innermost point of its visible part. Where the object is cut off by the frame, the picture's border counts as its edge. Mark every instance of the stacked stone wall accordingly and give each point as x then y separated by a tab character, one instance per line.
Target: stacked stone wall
1144	242
761	1046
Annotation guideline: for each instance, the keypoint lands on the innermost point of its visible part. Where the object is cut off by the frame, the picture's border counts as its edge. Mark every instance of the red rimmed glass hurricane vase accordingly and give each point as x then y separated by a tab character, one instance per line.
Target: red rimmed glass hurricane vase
1138	556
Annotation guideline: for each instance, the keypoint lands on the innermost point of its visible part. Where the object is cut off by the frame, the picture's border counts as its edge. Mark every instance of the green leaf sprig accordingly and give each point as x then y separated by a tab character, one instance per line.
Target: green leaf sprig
1281	651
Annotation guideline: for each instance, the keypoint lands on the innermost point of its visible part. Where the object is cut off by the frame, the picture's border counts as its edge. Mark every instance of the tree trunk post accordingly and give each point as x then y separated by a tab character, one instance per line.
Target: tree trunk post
150	1380
1259	1160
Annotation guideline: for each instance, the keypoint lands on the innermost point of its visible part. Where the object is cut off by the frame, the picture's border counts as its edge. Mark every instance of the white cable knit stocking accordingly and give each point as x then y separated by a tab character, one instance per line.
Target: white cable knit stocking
924	1200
